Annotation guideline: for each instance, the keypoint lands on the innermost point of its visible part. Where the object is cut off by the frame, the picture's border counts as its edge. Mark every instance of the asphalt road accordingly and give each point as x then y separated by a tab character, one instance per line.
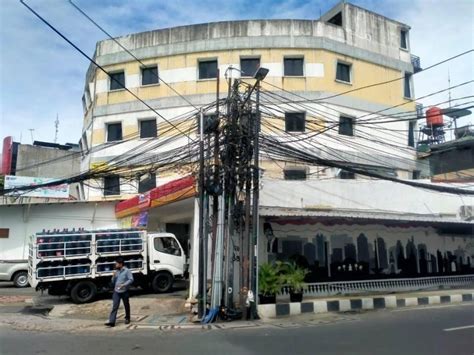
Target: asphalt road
427	330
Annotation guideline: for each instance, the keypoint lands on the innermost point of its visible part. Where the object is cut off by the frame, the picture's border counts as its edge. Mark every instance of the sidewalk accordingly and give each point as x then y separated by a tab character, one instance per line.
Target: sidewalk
167	312
365	302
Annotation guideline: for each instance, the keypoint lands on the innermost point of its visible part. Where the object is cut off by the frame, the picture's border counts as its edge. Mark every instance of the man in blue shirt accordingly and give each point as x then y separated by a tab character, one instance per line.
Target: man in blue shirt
121	281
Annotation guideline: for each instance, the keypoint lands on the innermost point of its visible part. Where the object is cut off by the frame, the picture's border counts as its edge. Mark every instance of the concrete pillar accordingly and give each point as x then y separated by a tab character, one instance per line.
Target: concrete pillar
194	254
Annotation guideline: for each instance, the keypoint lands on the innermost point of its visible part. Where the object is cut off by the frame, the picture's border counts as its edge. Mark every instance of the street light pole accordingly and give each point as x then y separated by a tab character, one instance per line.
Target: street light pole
201	274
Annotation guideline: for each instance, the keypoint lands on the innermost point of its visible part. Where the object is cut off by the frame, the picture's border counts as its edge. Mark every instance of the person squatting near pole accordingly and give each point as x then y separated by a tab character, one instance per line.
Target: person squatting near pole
121	281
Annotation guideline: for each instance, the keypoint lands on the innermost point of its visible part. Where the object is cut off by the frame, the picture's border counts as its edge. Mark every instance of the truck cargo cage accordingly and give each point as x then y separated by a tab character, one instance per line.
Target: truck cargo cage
63	255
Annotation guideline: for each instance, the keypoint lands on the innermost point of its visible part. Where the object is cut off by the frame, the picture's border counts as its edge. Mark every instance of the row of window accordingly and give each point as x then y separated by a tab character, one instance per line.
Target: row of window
148	181
208	69
294	122
112	184
302	174
147	129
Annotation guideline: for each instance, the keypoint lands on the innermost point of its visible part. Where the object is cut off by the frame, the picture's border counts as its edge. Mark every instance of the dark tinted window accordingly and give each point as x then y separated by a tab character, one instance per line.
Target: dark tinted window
146	182
111	185
346	126
208	69
293	66
403	39
210	123
114	132
346	175
295	121
117	80
406	88
249	66
149	76
148	128
343	72
411	133
336	19
295	174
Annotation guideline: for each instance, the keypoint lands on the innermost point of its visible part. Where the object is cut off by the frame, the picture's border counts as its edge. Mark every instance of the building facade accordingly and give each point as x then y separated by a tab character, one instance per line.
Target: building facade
37	163
321	60
320	92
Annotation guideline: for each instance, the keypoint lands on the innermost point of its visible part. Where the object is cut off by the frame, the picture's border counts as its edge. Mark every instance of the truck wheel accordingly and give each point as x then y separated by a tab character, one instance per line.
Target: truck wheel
20	279
162	282
83	292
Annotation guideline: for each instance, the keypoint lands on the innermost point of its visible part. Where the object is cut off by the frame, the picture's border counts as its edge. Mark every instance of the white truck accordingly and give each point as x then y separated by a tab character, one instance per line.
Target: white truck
80	263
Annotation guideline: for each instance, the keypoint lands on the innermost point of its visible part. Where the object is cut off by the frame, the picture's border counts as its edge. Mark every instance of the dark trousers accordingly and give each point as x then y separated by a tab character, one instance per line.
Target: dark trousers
116	303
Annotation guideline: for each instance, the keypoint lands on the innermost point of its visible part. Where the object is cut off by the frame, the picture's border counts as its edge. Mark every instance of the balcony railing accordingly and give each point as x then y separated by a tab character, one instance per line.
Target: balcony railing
415	61
389	285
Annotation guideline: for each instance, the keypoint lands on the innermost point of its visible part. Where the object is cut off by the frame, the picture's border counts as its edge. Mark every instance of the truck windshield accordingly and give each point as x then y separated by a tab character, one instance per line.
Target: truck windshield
167	245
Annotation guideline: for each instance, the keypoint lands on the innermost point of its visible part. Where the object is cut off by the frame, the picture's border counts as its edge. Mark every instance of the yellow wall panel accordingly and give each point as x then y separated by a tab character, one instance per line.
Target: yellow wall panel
363	74
98	136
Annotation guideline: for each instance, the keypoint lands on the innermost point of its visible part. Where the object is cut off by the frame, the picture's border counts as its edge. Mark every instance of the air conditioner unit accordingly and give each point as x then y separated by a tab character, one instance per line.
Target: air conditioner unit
466	213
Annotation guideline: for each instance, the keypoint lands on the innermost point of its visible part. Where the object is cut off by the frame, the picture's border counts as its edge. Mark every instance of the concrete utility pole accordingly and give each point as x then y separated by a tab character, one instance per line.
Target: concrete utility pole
202	251
233	182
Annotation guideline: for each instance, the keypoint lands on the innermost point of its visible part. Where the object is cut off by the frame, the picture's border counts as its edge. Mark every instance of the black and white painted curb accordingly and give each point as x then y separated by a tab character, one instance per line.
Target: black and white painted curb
356	303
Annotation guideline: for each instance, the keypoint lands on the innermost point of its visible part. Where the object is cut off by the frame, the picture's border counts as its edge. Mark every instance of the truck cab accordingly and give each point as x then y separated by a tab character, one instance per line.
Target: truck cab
167	260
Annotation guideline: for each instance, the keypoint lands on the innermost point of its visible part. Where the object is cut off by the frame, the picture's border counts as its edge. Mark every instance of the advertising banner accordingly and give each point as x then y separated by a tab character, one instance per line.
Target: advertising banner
56	191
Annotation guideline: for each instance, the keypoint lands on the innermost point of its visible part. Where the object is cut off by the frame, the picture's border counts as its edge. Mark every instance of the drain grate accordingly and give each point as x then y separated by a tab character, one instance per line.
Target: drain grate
37	310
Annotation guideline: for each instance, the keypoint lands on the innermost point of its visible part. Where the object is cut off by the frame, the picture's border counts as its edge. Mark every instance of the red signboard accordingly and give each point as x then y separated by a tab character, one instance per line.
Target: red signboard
7	153
167	193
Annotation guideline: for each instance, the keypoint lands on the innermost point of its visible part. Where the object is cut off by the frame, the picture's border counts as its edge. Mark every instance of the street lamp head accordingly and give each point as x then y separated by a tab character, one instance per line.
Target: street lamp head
261	73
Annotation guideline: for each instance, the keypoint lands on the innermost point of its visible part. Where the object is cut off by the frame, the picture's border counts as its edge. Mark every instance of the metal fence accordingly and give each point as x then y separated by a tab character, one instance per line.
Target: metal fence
388	285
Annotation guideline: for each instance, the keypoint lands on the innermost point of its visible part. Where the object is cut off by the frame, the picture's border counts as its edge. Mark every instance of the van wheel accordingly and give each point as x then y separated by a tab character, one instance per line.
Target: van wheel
162	282
83	292
20	279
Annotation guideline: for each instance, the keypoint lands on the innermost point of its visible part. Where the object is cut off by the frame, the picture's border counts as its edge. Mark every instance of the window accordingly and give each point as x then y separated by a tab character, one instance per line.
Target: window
117	81
148	128
404	39
211	122
150	76
146	182
294	174
295	121
167	245
84	104
343	72
293	66
208	69
249	66
346	175
4	232
336	19
416	174
411	133
114	132
407	85
111	185
346	126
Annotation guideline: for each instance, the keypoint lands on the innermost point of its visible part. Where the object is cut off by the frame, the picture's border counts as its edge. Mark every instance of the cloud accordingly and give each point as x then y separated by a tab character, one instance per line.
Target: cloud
42	76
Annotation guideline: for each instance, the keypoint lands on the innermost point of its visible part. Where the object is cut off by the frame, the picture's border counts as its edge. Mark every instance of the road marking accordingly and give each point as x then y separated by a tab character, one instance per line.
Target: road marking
458	328
409	309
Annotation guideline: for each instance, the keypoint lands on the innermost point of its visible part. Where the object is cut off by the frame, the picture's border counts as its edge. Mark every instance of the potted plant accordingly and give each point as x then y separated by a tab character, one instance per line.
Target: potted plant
269	283
293	277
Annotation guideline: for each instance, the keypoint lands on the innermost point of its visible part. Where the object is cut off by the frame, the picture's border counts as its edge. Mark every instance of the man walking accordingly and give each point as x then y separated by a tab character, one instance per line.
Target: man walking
121	281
